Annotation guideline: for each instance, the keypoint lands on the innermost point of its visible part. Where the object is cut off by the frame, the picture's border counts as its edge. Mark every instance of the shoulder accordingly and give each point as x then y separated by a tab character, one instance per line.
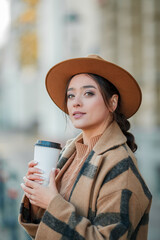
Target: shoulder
120	171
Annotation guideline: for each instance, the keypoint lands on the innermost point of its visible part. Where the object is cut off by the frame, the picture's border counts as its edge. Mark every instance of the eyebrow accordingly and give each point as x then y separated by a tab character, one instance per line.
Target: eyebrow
86	86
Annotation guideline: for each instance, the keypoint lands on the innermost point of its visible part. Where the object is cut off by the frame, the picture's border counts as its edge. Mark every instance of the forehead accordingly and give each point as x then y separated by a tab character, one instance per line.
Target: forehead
82	79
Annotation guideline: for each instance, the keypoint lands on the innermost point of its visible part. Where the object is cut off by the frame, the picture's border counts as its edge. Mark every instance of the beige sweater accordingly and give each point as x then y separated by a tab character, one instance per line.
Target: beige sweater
109	199
75	163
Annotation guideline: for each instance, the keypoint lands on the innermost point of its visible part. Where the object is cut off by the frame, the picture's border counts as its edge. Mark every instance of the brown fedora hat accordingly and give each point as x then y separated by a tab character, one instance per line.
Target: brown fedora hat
129	90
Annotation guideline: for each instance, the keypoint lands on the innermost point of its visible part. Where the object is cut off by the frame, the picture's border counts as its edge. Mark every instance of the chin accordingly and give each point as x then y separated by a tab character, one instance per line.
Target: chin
82	127
79	126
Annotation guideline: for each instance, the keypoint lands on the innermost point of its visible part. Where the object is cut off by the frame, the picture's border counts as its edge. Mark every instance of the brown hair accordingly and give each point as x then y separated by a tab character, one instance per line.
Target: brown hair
107	90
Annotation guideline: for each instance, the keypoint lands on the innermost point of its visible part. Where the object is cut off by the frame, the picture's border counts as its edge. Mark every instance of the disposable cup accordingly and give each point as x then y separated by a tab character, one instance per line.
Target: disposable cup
46	154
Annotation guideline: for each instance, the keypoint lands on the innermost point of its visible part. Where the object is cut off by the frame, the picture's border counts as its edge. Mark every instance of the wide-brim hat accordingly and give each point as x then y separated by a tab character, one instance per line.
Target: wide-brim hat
58	76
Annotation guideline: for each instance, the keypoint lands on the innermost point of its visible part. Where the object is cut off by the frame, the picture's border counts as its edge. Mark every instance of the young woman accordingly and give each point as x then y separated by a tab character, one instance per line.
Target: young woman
97	191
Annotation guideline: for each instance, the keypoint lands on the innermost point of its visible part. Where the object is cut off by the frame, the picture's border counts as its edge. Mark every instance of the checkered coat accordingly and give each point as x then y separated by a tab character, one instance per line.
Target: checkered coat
109	199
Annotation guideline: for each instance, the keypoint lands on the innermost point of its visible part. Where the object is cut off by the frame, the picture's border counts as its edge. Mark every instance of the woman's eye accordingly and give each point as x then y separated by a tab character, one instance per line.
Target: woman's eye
69	96
89	93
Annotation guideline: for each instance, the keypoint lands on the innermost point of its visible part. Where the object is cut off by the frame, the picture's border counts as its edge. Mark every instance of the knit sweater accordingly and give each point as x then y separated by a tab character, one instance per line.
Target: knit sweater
109	199
74	165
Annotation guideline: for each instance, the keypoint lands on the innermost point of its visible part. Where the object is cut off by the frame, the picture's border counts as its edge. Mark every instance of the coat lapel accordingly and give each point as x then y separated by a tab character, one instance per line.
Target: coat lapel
65	160
81	191
111	138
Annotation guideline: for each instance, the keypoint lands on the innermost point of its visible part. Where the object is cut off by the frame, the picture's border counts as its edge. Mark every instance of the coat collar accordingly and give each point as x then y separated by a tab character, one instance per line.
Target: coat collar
111	137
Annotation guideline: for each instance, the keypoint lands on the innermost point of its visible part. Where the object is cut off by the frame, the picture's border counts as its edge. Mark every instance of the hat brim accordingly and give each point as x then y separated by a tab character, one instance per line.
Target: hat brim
58	76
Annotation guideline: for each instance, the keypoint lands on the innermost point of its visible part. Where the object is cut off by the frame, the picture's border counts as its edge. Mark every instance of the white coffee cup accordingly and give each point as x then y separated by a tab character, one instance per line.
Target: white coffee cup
46	154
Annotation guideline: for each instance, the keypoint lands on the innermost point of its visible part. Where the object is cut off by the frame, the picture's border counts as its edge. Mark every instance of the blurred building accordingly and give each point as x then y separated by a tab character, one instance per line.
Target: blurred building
124	32
131	39
42	33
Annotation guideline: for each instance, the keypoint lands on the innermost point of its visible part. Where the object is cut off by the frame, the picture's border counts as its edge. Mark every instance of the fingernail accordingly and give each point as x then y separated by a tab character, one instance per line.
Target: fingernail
35	162
40	171
53	169
43	178
24	178
41	182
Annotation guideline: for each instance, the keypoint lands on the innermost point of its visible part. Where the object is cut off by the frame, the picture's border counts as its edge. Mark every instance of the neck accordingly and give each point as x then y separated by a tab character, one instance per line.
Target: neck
89	133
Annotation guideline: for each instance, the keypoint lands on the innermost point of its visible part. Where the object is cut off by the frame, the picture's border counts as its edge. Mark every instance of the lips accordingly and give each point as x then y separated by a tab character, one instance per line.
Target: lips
78	114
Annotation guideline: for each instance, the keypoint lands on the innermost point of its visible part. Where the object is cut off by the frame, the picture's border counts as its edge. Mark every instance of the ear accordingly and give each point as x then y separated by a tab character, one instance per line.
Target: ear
113	102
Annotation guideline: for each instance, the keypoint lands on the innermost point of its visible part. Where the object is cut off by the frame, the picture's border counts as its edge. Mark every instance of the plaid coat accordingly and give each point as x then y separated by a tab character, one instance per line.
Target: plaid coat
109	199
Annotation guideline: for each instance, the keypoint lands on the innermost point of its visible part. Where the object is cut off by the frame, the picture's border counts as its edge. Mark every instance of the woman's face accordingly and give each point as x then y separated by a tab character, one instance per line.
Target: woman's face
85	104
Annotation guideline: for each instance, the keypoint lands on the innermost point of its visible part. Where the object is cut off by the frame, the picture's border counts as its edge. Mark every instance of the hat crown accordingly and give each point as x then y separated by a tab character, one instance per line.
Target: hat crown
95	56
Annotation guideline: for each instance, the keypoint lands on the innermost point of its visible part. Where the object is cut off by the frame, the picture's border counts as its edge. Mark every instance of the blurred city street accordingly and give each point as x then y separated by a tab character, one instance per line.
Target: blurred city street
15	152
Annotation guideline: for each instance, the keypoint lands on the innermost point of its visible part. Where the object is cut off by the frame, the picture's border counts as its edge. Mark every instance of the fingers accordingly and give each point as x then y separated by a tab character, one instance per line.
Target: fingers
35	177
29	187
34	170
32	163
40	195
29	192
29	183
26	189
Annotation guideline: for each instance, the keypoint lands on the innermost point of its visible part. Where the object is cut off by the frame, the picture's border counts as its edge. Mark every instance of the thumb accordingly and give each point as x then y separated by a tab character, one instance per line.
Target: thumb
52	177
57	171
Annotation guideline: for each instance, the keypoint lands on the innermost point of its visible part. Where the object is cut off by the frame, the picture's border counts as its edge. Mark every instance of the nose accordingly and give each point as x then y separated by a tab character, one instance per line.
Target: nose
77	102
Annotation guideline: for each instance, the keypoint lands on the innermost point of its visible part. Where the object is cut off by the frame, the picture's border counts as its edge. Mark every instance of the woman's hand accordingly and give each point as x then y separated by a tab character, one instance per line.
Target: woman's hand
34	173
40	195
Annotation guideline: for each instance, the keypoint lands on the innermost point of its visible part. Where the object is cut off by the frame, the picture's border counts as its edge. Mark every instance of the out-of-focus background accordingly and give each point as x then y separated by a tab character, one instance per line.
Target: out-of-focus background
35	35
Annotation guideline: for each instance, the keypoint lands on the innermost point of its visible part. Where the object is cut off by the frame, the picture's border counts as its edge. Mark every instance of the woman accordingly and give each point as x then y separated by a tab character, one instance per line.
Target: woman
98	193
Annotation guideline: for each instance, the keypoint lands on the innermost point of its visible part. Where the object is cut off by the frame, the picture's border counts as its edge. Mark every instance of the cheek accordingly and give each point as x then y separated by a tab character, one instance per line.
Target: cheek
100	109
68	107
99	104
